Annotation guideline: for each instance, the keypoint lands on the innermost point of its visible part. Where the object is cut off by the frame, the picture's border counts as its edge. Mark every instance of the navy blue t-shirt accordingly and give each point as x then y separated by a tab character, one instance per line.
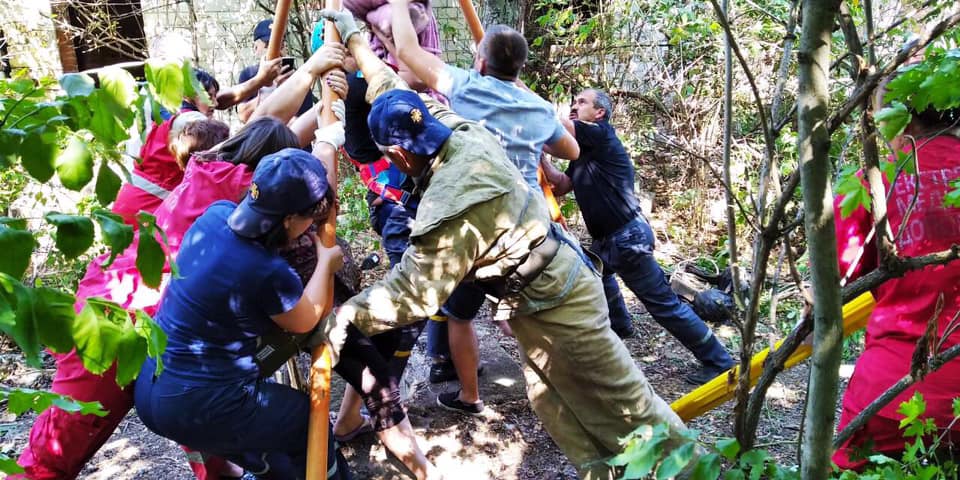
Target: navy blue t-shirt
359	142
249	72
602	179
228	288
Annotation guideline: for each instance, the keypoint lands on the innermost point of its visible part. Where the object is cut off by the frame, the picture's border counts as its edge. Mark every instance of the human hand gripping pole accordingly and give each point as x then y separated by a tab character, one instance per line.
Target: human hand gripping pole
322	360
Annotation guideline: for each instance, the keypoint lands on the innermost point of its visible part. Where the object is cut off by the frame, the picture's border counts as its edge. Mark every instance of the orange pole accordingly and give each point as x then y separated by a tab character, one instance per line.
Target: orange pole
282	12
476	30
322	365
473	20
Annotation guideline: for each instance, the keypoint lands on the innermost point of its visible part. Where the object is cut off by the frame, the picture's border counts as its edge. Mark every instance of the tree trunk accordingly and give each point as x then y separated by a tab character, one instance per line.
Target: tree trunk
813	147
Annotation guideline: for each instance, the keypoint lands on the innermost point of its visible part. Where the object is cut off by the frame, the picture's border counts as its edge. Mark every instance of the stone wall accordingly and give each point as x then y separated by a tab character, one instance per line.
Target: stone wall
31	41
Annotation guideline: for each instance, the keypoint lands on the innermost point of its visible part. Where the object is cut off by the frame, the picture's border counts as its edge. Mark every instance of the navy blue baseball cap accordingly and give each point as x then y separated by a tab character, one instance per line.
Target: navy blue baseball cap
399	117
287	182
262	30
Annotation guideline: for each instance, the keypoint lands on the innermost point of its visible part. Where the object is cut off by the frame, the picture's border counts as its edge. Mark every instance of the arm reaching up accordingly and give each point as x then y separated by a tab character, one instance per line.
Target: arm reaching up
287	98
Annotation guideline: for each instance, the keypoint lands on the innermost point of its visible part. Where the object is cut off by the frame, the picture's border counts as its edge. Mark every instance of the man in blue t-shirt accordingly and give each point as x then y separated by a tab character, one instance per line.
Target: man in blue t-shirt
602	181
525	125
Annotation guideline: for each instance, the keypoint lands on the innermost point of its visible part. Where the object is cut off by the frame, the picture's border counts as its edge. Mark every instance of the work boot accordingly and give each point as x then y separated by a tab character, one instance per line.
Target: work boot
706	373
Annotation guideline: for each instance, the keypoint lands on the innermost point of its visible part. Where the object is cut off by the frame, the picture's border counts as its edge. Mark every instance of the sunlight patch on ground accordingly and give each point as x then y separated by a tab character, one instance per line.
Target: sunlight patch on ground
846	371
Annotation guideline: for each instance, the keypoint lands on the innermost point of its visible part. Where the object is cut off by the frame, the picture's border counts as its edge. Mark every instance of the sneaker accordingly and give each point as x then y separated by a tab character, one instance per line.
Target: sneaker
451	401
444	371
706	373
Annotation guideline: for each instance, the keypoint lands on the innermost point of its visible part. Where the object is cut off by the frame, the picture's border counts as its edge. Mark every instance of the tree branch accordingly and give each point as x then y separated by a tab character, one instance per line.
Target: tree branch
870	82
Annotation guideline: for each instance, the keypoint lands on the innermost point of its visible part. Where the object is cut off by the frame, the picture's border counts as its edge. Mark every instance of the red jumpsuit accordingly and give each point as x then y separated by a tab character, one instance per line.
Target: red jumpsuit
61	443
904	305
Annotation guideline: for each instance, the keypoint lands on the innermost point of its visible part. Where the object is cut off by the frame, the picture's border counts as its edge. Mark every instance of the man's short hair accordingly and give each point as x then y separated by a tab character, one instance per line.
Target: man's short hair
602	100
505	51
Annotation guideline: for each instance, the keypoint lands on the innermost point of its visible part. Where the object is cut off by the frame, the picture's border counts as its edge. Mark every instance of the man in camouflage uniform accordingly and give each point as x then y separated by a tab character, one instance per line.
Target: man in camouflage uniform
479	221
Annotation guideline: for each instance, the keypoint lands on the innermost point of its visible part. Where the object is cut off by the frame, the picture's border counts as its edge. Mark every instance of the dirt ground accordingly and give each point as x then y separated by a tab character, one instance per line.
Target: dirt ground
506	443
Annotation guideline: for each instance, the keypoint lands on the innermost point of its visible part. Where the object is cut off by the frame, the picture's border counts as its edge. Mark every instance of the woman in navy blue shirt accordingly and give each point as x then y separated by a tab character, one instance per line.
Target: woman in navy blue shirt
234	287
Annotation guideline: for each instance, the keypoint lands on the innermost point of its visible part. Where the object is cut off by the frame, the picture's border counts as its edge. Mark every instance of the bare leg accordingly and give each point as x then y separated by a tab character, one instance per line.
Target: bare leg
464	351
401	441
348	418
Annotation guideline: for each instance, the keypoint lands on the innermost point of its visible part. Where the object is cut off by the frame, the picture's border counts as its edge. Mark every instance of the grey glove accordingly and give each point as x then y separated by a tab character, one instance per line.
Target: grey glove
344	21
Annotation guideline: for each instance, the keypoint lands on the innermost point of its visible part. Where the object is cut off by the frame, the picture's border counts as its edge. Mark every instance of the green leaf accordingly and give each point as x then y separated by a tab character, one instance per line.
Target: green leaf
105	125
75	165
728	447
675	461
77	84
165	80
952	198
108	184
53	314
192	88
644	459
150	259
98	333
9	147
131	352
38	156
119	91
755	459
21	400
17	246
9	466
956	407
74	233
117	235
912	409
14	223
77	112
707	468
35	316
892	120
733	474
154	335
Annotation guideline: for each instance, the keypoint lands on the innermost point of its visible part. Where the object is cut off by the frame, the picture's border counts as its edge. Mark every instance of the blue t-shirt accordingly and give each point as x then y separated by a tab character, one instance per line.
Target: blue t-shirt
602	179
228	288
521	120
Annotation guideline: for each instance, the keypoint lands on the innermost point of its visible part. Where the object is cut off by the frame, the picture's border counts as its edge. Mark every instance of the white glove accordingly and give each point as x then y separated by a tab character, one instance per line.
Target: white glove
344	21
332	134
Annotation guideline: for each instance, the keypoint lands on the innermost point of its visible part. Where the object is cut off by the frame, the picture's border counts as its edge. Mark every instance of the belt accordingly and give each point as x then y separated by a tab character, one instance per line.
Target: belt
531	266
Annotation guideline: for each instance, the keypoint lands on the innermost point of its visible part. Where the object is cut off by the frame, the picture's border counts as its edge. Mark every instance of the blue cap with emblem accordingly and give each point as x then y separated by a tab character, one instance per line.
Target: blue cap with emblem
262	30
287	182
399	117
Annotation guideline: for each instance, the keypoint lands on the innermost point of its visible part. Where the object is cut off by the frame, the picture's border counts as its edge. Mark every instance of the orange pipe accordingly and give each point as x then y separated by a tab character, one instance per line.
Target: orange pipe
282	12
322	365
476	30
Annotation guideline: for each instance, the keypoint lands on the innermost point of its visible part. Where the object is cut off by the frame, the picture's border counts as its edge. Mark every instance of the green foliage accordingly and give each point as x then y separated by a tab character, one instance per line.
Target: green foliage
853	190
23	399
644	455
62	130
74	233
17	245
